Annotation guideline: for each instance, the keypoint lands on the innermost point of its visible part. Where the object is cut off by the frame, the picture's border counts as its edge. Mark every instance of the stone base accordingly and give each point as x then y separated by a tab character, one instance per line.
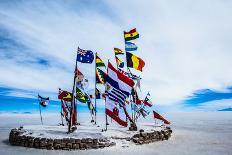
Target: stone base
17	137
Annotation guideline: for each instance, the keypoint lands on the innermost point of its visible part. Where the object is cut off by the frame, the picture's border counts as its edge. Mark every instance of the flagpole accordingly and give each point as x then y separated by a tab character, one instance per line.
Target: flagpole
41	119
62	123
72	102
105	98
95	100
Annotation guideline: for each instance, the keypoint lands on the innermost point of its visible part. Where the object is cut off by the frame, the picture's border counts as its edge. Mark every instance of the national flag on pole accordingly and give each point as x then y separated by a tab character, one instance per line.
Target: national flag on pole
135	97
134	61
101	76
99	62
119	80
116	112
43	101
131	35
158	116
65	95
65	111
80	96
119	62
147	101
85	56
129	46
114	93
78	75
118	51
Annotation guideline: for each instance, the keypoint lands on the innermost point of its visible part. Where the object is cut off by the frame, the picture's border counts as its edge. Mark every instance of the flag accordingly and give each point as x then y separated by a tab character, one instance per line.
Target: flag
158	116
98	94
134	62
78	75
101	76
135	97
65	95
115	94
147	101
119	80
131	35
119	62
143	112
99	62
85	56
43	101
129	46
74	114
80	96
116	112
118	51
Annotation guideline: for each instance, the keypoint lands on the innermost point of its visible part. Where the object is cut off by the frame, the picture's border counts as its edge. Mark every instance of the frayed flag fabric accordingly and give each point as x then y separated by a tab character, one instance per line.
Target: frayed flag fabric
43	101
158	116
131	35
116	112
85	56
129	46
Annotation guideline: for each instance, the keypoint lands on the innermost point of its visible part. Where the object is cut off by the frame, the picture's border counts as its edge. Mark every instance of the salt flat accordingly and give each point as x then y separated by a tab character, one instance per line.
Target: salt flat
193	133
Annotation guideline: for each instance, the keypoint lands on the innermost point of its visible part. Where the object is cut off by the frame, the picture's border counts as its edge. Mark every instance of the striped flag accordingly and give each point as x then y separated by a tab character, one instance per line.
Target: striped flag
118	51
129	46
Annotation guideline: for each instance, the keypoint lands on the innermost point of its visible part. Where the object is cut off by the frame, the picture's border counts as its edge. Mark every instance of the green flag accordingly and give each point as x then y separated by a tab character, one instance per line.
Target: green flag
80	96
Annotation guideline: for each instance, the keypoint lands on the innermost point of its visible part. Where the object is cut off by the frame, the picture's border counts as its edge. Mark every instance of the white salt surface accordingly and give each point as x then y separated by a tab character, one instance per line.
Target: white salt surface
193	133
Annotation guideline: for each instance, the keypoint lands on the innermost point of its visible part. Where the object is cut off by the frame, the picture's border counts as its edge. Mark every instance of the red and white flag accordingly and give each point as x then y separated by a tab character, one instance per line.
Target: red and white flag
158	116
116	113
124	82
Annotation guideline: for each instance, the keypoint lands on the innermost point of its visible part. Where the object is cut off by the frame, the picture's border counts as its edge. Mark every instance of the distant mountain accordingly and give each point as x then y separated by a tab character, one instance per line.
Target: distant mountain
226	109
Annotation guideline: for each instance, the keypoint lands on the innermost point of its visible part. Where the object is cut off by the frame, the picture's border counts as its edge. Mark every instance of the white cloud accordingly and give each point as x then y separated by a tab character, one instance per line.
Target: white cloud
186	45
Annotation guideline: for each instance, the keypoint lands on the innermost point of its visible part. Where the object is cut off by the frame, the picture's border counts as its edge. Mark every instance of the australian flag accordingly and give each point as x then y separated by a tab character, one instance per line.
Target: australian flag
85	56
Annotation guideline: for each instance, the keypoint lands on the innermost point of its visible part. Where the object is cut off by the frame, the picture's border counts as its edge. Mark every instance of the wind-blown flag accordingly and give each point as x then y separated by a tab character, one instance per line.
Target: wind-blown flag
135	97
147	101
119	80
119	62
78	75
158	116
131	35
118	51
116	112
80	96
85	56
43	101
65	95
134	61
99	62
129	46
101	76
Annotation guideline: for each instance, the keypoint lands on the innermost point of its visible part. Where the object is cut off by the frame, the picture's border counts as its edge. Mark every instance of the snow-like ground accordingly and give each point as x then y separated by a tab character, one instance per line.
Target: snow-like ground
193	133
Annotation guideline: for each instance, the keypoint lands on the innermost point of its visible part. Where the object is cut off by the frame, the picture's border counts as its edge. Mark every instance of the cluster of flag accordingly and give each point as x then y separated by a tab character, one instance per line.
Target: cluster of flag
119	85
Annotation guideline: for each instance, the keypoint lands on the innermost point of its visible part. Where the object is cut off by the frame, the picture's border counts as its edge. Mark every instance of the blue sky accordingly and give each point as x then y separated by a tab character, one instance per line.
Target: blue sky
186	47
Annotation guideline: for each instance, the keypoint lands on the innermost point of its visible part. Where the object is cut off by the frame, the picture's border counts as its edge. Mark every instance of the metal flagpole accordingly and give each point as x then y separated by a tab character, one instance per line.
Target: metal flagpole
95	100
73	100
41	119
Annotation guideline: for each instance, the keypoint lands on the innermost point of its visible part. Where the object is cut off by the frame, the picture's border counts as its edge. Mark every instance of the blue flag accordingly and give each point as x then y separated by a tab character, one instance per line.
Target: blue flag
85	56
129	46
